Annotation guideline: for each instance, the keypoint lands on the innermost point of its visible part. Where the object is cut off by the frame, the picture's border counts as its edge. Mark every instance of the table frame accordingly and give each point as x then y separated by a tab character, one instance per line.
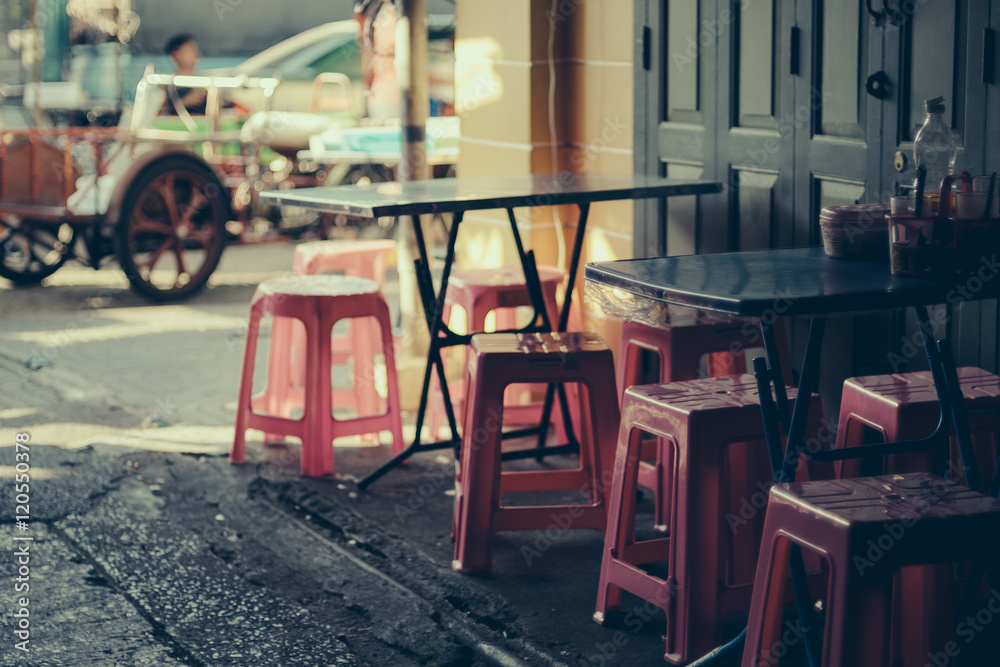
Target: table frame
423	199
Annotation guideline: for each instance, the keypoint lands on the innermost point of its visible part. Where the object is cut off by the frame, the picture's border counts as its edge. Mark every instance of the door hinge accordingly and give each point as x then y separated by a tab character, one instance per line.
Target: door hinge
647	48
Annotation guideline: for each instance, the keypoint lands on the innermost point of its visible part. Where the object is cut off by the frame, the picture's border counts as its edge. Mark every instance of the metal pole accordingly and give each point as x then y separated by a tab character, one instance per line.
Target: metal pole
411	72
36	65
118	56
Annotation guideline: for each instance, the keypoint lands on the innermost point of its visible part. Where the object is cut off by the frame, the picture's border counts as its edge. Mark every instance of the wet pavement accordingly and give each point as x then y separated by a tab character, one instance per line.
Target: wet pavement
149	548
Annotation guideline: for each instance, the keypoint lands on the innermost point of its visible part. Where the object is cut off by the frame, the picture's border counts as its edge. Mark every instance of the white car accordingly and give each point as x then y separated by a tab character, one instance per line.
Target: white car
331	47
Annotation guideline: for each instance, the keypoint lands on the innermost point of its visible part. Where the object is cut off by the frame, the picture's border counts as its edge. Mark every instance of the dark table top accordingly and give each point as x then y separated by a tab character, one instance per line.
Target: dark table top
442	195
793	281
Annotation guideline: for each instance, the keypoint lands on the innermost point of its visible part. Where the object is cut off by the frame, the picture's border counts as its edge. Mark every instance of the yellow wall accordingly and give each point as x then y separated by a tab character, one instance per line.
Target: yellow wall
502	83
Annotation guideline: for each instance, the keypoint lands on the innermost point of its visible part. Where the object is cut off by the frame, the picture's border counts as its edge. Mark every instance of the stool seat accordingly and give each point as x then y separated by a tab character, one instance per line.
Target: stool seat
496	361
538	347
868	529
978	385
467	286
321	286
318	302
720	467
363	258
904	406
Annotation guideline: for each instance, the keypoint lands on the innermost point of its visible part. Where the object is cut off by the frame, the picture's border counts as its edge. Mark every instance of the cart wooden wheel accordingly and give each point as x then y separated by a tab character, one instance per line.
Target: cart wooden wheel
31	250
172	228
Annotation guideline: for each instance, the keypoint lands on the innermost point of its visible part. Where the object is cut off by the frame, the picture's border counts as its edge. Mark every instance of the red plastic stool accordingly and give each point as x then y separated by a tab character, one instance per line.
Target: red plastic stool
904	407
480	292
319	302
502	359
912	520
679	343
684	337
719	481
368	259
363	258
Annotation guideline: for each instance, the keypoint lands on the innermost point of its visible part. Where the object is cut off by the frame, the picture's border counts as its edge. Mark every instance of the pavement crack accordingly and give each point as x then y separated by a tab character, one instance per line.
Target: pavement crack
99	574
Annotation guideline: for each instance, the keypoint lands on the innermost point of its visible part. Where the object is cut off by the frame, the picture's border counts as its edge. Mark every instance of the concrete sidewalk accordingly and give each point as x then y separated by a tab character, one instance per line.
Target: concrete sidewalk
149	548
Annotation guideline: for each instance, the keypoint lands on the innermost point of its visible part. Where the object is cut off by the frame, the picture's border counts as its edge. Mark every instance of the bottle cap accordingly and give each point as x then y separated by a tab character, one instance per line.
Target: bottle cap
934	105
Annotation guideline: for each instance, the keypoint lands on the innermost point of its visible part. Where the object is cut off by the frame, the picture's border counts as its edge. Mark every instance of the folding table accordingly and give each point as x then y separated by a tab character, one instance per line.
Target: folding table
456	196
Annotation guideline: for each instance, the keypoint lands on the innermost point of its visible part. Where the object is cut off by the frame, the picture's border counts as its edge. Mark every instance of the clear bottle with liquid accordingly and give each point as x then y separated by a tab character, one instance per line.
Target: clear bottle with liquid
935	146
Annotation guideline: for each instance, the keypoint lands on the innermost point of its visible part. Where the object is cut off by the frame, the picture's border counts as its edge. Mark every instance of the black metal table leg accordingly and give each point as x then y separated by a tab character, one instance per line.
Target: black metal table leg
535	294
808	379
433	309
774	363
442	337
574	263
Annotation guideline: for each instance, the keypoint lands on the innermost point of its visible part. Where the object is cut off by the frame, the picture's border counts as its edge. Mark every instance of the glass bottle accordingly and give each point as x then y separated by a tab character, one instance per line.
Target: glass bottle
934	146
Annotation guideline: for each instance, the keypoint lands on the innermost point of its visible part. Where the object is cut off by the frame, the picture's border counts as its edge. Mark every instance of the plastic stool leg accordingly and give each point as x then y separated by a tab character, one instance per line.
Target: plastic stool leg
621	516
317	442
243	407
480	470
392	404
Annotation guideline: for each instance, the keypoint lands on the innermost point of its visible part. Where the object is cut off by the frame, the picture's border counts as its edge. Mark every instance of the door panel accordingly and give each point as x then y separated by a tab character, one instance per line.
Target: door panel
756	126
684	53
930	71
756	208
682	230
842	55
756	47
683	80
837	125
830	192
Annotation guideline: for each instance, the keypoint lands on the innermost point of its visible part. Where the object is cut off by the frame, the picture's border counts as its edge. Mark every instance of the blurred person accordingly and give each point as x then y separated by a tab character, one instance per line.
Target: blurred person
377	19
184	52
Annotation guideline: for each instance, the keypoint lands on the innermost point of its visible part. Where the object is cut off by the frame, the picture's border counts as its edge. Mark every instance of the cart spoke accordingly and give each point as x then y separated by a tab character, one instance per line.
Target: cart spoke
34	260
179	252
197	201
34	239
169	197
143	224
157	254
203	236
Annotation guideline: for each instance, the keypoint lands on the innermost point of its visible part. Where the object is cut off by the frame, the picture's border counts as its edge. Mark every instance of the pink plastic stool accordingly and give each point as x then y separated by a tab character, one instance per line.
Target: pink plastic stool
719	483
479	292
912	519
319	302
904	407
361	259
502	359
679	343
